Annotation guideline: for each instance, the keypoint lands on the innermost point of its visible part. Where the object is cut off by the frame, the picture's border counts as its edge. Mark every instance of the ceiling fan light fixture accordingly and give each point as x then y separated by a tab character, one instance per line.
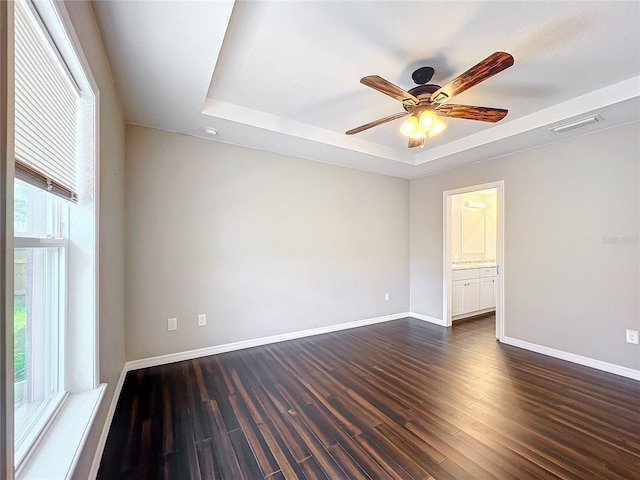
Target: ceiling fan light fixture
425	125
410	126
438	127
427	120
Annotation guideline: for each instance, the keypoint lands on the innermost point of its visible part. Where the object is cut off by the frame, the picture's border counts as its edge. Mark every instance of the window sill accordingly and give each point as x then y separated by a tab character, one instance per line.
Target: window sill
42	418
56	454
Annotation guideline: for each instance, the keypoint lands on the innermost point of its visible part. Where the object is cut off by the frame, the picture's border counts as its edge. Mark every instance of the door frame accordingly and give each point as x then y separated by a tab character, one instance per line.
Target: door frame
447	253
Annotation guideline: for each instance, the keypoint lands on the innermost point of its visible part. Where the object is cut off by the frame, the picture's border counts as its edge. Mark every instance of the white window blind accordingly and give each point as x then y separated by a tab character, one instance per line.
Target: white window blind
46	110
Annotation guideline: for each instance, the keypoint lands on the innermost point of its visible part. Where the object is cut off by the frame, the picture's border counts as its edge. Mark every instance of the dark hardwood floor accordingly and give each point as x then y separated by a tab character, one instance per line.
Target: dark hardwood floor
396	400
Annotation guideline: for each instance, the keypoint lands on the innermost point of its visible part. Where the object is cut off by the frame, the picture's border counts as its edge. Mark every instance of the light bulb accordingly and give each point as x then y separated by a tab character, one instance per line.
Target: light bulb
427	120
438	127
419	134
409	126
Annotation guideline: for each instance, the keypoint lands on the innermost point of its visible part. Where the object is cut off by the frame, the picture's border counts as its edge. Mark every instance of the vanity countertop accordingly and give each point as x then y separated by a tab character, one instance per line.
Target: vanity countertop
469	265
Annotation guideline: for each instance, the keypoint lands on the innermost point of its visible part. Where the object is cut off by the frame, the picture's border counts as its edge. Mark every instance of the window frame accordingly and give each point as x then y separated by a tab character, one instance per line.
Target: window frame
6	237
51	238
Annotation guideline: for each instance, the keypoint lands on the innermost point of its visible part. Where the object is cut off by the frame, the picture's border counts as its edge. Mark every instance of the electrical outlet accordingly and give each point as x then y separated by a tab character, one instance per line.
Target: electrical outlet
386	296
172	324
632	336
202	319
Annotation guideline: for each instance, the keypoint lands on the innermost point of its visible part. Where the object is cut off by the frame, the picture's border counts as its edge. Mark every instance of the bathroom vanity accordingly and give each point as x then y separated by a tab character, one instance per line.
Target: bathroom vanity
473	289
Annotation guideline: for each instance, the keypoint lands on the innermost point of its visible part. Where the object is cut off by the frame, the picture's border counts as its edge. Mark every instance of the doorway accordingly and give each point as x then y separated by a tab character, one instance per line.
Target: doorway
473	257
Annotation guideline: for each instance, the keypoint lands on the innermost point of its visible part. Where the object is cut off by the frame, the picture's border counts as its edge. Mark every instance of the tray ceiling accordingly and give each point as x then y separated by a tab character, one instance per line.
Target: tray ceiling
284	76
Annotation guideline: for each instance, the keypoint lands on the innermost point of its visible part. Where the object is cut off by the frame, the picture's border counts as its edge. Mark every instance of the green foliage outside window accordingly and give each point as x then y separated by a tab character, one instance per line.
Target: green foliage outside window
20	195
19	342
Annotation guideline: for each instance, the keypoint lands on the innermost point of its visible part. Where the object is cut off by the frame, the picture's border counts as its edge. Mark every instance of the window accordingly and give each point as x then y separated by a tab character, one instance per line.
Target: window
40	221
55	319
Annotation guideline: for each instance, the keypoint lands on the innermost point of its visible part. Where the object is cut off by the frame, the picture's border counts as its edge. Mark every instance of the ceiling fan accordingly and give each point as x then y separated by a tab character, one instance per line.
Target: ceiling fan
426	103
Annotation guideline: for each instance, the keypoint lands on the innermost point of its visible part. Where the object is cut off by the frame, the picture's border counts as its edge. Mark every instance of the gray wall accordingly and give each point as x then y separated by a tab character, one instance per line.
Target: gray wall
569	283
111	261
262	243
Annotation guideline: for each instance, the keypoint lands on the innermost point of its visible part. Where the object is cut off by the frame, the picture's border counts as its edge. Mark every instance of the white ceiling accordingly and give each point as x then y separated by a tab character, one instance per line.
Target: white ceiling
284	76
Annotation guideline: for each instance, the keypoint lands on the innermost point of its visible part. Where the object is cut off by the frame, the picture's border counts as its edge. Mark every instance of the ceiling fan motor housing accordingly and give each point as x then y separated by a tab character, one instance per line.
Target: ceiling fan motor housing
423	93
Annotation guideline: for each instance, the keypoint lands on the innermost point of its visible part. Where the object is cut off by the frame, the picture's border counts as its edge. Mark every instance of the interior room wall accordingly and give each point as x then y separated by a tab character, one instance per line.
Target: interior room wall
111	223
571	271
263	244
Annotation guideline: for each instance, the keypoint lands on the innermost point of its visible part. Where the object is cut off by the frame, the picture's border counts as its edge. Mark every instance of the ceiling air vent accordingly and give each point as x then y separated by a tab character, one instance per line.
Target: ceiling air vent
583	122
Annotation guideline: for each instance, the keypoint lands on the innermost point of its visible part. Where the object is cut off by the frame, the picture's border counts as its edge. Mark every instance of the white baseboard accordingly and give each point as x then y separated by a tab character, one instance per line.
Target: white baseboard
256	342
426	318
95	465
572	357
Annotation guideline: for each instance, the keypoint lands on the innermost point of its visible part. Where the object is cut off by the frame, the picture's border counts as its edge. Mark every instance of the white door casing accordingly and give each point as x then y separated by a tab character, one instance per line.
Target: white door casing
498	284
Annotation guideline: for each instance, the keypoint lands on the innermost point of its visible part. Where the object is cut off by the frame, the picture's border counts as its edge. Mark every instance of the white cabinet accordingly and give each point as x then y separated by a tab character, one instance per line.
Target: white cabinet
473	290
488	272
471	297
465	297
487	298
466	291
457	307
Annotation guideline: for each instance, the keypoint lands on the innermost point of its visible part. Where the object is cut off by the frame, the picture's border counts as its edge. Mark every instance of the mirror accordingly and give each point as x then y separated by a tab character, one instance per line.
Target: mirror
472	231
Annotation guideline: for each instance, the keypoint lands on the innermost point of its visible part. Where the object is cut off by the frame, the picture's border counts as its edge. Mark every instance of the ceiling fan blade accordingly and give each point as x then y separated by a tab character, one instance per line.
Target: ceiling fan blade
377	122
487	68
484	114
388	88
416	142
